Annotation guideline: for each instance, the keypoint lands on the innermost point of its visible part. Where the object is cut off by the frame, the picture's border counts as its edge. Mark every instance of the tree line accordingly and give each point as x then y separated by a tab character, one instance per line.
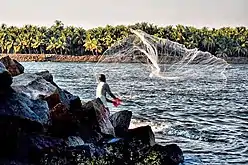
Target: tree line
70	40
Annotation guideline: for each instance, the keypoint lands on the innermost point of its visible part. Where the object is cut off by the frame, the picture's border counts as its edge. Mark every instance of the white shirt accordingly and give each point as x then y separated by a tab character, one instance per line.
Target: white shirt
101	91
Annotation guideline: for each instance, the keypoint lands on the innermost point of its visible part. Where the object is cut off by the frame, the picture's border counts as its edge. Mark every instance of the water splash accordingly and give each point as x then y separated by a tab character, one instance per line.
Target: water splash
156	127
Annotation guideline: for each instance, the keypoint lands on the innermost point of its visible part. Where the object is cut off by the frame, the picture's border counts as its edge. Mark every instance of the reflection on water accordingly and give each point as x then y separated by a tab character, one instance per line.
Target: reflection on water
209	123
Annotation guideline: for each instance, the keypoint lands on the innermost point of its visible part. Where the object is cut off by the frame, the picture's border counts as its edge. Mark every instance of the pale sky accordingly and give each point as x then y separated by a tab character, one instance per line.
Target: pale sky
94	13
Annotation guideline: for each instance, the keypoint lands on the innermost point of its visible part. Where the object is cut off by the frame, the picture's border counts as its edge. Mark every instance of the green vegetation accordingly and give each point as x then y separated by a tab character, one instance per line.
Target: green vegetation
59	39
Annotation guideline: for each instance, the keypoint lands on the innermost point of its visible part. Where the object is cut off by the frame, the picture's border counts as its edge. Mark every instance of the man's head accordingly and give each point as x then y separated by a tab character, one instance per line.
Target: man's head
102	78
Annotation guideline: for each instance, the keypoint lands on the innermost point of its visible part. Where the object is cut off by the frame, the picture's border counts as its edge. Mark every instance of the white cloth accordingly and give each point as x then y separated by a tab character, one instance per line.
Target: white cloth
102	89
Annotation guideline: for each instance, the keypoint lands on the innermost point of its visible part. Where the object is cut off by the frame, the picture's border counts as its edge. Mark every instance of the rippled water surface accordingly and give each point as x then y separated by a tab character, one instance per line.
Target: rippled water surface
209	123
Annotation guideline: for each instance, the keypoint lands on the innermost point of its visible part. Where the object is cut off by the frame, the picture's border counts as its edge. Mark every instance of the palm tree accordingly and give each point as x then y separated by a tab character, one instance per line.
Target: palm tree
90	44
208	44
51	47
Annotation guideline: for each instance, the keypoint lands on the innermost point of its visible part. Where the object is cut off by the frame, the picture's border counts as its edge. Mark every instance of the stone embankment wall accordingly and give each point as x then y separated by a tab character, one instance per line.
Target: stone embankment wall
53	58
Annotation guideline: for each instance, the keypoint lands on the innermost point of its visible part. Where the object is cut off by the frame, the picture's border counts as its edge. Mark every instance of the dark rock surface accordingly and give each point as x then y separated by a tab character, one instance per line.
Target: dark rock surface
121	121
14	67
5	80
143	133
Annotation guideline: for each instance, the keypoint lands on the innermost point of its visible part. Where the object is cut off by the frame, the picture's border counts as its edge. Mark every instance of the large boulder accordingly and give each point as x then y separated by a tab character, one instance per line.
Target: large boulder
90	121
28	97
11	127
80	121
20	114
34	86
20	105
143	133
101	116
50	100
61	95
63	122
121	121
14	67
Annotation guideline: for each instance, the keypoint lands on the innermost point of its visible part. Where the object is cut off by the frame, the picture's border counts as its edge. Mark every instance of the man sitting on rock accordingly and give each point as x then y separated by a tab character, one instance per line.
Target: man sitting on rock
101	93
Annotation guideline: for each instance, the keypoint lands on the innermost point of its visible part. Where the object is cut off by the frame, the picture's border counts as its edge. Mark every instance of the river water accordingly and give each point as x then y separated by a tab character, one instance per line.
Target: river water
209	123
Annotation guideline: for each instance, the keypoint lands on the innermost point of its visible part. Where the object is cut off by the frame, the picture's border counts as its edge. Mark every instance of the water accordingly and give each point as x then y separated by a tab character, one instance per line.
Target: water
208	123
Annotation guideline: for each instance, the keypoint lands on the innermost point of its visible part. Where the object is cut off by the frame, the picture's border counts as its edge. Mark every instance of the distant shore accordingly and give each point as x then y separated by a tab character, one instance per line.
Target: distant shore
89	58
53	58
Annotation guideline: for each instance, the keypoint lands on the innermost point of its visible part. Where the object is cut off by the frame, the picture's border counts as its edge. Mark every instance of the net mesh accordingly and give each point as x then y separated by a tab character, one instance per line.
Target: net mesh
161	59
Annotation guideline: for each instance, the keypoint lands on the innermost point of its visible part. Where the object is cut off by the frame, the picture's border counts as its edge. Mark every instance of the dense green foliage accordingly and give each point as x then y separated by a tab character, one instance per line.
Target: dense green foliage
59	39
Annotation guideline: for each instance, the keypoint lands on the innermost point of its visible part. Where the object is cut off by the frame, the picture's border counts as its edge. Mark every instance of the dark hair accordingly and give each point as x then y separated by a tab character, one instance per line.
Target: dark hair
102	78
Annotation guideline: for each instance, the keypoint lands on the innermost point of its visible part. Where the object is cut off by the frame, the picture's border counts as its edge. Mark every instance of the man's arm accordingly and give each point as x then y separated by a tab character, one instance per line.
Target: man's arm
109	92
110	101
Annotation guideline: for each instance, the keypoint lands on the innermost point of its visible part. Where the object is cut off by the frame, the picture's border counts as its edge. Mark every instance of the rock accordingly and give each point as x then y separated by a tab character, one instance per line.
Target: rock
126	151
67	98
32	147
121	121
20	113
135	152
169	155
42	91
14	67
91	120
102	116
5	80
73	141
143	133
20	105
133	147
63	123
47	76
2	68
172	154
25	99
77	122
116	152
61	96
86	154
53	100
11	127
34	86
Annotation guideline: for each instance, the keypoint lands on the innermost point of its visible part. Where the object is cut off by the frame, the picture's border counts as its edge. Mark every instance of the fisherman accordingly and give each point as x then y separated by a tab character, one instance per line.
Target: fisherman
101	93
102	90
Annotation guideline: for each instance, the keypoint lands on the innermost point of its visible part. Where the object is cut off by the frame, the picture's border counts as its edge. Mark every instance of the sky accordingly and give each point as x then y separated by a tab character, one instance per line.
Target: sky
94	13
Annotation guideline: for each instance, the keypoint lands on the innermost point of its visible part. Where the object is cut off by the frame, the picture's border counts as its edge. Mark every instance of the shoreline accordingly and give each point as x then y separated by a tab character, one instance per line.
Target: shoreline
89	58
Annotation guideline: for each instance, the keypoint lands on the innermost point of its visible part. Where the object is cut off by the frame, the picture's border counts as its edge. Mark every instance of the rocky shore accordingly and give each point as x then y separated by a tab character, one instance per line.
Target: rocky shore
94	58
44	124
